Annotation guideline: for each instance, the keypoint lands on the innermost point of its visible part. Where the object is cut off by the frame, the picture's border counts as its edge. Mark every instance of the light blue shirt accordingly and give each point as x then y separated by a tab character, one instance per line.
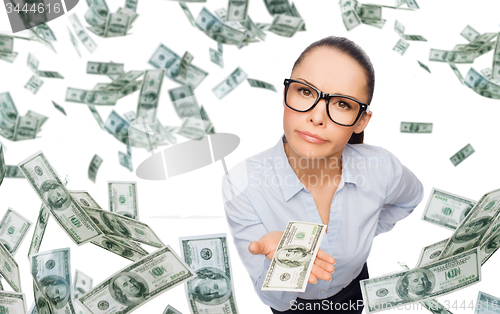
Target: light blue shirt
262	194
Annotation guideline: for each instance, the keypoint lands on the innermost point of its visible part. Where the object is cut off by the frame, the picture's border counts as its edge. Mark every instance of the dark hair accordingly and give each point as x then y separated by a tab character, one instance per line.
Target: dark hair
351	49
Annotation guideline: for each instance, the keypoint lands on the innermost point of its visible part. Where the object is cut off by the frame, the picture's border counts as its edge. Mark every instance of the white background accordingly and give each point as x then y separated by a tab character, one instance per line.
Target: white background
403	92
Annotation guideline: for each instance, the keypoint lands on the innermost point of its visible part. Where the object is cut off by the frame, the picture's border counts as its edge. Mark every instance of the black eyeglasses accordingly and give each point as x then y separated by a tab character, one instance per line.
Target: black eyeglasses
343	110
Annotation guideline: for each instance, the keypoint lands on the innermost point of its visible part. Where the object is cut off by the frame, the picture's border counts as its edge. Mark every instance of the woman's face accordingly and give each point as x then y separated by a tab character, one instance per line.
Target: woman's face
331	72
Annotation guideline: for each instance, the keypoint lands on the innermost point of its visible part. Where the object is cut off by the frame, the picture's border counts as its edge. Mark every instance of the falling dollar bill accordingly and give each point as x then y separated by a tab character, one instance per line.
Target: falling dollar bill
126	161
260	84
416	127
171	310
285	25
6	44
93	167
120	247
34	84
98	98
213	290
150	276
487	304
469	33
434	280
9	269
495	68
184	101
49	188
452	56
185	62
294	257
11	302
13	230
230	83
51	270
472	229
26	128
106	68
84	37
446	209
81	285
84	199
150	95
60	108
117	226
350	17
462	154
3	168
423	66
122	196
401	46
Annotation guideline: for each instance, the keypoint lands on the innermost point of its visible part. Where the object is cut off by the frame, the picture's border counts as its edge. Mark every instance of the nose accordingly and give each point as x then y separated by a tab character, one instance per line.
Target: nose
318	115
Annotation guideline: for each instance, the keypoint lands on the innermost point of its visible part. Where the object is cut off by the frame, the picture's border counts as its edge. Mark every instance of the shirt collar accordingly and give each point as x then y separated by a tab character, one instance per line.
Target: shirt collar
290	183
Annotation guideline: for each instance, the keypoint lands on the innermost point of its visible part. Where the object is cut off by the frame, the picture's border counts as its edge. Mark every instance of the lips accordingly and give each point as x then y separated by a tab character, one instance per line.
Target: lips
312	135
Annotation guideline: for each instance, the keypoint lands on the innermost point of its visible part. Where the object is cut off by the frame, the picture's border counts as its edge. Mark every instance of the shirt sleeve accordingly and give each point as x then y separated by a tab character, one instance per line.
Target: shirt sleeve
246	226
404	193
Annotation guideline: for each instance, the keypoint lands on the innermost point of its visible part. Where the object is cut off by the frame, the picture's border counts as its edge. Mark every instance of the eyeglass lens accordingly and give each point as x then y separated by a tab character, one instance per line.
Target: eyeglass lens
301	97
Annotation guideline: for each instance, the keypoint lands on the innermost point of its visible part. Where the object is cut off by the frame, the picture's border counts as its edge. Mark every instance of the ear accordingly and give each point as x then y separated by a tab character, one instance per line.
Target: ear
363	122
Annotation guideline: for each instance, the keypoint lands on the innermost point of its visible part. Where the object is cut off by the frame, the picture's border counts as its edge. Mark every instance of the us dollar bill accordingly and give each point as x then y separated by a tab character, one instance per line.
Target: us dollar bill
277	7
430	253
117	24
94	166
213	290
423	66
33	63
164	58
237	10
84	199
126	249
452	56
6	44
171	310
74	42
184	101
91	97
51	270
435	280
122	81
59	108
13	230
472	229
41	303
26	128
192	128
185	62
495	68
105	68
401	46
11	302
230	83
9	269
126	161
486	304
479	41
416	127
481	85
148	277
294	257
446	209
469	33
117	226
285	25
41	118
49	188
122	196
350	17
150	95
462	154
8	111
490	242
84	37
81	285
431	305
260	84
3	168
34	84
41	225
49	74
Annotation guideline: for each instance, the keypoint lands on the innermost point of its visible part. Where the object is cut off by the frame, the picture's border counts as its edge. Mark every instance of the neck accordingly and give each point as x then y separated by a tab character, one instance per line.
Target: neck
316	173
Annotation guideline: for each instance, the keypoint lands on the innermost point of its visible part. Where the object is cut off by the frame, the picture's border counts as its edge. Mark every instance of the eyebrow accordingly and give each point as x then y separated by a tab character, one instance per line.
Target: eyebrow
299	78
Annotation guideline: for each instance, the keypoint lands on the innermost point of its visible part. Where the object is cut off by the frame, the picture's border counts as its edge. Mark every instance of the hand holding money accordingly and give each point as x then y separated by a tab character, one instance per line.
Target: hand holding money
267	244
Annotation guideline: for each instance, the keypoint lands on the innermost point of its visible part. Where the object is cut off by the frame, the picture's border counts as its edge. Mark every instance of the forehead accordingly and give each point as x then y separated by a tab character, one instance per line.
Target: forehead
332	72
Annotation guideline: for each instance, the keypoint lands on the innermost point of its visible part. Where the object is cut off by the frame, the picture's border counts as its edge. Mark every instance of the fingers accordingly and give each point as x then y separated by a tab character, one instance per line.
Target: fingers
312	279
255	248
320	273
324	265
325	256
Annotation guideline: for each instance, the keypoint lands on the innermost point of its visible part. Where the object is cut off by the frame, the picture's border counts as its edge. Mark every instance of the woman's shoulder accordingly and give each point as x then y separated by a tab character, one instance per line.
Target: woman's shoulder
370	152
